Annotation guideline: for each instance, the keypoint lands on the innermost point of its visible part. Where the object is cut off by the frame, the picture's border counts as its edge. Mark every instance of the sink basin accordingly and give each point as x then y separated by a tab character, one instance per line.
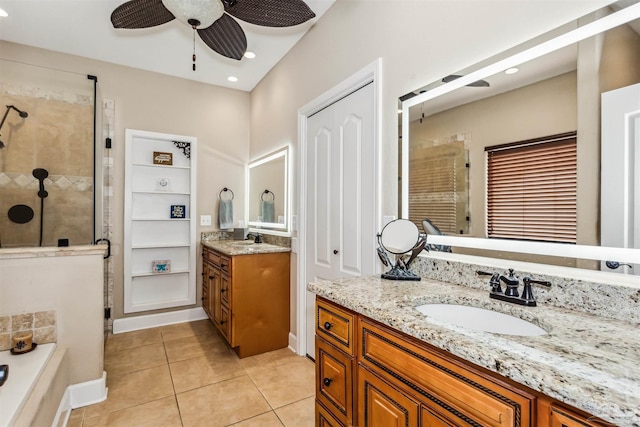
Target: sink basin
480	319
243	243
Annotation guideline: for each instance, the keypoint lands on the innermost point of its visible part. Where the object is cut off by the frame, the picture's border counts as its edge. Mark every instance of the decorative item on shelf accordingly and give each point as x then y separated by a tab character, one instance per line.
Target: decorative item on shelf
162	184
160	266
225	210
178	211
161	158
185	147
23	343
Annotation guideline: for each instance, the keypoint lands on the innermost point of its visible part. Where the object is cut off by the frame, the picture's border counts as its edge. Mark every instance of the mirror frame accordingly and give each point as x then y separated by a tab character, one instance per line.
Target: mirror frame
598	26
275	228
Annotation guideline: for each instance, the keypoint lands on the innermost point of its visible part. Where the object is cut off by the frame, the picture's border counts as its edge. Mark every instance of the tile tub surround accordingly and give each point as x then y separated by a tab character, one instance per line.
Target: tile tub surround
587	361
232	248
41	324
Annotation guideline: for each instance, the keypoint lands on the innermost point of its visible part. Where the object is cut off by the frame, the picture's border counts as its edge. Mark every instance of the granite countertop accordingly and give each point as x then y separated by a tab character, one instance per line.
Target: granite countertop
243	247
587	361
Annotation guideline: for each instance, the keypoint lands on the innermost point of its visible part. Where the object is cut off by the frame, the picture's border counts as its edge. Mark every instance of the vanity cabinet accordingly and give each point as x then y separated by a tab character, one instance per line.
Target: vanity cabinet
247	299
335	361
370	375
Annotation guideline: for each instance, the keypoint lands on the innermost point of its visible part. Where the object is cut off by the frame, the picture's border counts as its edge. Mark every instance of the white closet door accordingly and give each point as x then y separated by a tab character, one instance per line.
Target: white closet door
620	171
340	210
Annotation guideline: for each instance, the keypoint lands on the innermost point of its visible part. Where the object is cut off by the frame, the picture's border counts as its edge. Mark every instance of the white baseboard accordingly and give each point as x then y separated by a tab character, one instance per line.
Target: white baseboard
293	343
88	393
79	395
128	324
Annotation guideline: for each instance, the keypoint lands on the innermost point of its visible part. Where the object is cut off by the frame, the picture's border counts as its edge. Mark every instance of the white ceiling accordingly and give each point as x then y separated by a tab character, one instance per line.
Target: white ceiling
83	27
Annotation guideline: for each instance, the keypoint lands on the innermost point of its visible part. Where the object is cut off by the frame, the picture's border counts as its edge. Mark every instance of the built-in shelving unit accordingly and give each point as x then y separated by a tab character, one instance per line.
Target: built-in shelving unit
159	224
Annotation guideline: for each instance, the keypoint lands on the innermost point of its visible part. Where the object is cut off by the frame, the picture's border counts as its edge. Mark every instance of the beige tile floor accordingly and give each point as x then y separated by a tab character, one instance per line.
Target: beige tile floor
186	375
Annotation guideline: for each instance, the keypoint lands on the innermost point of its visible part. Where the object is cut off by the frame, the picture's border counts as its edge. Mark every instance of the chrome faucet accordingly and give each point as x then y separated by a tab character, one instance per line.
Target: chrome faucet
510	293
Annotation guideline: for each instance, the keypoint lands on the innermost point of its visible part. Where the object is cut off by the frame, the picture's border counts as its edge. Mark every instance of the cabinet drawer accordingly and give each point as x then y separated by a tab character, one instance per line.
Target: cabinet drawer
334	384
336	325
324	417
210	256
452	389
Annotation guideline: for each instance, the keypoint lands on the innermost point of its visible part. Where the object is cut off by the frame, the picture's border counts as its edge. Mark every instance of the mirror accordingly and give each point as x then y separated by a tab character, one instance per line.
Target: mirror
572	65
400	237
268	193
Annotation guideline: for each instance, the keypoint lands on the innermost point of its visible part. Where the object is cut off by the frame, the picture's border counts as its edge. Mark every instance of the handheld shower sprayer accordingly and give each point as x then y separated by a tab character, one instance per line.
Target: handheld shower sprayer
22	114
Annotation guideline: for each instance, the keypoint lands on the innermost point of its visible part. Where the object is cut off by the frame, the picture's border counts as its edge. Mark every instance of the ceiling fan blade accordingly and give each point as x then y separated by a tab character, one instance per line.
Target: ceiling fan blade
270	13
140	14
226	37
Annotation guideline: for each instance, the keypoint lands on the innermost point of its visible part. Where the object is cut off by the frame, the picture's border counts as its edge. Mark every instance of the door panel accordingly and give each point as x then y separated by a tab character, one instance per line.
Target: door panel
620	171
340	193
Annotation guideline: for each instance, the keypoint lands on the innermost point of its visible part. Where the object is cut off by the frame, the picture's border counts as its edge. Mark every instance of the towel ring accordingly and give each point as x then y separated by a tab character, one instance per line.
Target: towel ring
273	196
225	189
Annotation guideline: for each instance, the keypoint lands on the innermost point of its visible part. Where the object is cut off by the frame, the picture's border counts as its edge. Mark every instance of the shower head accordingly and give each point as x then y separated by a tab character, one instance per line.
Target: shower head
23	114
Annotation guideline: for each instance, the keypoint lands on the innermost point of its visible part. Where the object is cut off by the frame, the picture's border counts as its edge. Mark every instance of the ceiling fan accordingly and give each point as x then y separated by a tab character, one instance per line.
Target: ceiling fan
212	19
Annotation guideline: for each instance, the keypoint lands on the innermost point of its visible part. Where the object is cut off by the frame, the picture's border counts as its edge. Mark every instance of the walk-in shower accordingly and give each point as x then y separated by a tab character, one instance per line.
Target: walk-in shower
22	114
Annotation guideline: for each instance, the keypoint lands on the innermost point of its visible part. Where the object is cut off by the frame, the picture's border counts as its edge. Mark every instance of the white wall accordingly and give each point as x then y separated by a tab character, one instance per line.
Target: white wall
419	42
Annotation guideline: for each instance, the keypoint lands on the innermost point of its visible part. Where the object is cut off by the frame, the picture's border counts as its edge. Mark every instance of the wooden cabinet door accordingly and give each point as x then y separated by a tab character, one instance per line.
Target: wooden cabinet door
324	418
563	418
225	289
214	289
334	380
431	418
380	404
206	294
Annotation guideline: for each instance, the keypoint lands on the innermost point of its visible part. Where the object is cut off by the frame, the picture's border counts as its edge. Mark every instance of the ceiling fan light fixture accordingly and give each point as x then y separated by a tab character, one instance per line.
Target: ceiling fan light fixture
249	54
205	11
3	13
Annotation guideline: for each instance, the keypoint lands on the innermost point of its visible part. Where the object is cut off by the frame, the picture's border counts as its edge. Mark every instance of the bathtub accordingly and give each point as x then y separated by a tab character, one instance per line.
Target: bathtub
24	371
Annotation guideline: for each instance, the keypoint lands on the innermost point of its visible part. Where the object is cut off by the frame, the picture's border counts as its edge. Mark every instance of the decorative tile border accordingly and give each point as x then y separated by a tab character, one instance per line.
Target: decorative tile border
53	182
41	323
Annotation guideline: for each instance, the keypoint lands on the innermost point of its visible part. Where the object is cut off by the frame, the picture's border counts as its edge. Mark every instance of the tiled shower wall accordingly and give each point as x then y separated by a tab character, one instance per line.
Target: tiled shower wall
56	136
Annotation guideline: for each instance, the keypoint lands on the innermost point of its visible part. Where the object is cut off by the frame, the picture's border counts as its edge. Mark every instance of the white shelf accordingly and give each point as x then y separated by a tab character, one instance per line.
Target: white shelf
160	166
161	219
159	274
150	234
170	245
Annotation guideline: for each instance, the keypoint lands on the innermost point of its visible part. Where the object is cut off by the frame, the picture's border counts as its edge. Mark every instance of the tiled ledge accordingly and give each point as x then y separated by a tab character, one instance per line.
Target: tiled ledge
52	251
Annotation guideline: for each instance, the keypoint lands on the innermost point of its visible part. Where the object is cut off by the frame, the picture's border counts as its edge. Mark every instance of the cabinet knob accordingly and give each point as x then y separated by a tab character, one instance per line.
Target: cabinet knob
327	325
335	252
212	277
223	290
222	322
327	381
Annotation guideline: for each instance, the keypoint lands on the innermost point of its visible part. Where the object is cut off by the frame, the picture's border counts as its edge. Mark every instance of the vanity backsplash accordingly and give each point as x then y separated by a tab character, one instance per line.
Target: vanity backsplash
612	301
228	235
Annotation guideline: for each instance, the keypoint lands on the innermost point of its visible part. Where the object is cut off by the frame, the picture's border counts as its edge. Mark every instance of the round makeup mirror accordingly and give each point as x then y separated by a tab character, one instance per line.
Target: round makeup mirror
399	236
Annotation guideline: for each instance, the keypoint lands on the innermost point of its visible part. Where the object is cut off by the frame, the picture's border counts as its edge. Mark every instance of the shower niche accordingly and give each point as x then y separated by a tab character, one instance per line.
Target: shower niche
47	157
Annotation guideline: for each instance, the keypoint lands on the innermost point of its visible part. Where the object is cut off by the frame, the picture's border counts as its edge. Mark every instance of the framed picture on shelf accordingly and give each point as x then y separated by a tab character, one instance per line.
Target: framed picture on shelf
159	266
161	158
178	211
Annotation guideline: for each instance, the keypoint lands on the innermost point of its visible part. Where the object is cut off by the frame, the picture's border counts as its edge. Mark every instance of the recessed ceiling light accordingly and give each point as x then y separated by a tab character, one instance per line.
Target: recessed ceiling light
3	13
249	55
511	70
232	78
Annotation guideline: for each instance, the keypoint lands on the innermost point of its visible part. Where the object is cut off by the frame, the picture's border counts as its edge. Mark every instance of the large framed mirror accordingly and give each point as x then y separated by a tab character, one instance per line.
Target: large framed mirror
559	90
268	193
